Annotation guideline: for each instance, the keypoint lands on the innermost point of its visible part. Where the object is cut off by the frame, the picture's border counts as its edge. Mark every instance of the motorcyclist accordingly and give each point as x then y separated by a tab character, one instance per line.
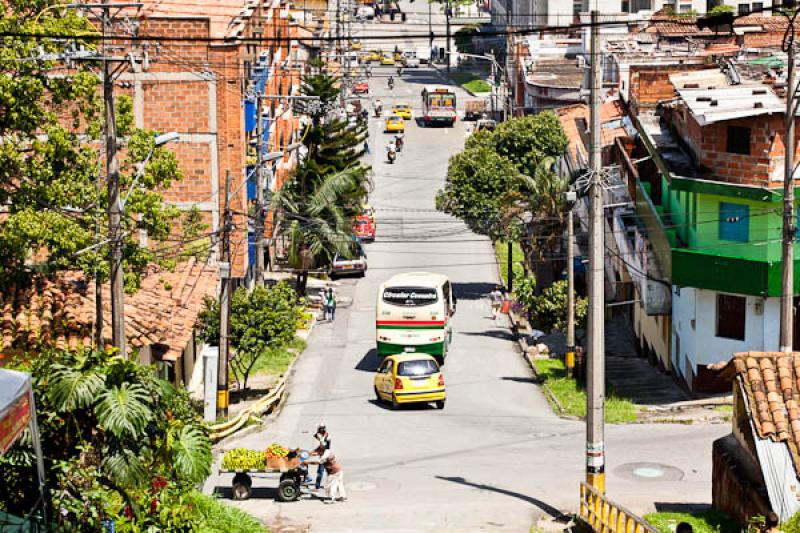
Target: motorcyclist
391	151
368	71
399	70
378	107
391	83
398	142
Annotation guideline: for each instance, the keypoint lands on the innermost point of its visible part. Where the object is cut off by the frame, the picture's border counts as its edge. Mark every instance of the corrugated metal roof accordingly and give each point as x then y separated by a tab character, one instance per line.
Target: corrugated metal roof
738	101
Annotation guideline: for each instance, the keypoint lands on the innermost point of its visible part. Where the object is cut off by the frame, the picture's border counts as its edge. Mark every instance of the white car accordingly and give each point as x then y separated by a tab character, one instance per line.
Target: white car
356	265
410	61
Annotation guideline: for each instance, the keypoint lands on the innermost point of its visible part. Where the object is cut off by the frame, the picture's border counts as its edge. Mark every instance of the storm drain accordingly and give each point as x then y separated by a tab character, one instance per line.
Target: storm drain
649	472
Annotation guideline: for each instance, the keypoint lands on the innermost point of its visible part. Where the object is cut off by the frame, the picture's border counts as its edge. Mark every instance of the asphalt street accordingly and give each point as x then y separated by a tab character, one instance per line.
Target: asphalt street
495	458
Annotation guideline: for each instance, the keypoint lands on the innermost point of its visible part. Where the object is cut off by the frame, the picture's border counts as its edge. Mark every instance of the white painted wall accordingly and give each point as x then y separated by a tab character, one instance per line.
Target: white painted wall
698	341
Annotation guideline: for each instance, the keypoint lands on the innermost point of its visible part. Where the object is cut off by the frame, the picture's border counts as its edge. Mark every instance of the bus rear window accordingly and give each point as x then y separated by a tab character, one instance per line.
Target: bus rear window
409	296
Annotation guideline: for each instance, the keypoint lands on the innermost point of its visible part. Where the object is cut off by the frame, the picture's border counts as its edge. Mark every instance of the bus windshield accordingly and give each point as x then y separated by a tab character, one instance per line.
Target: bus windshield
410	296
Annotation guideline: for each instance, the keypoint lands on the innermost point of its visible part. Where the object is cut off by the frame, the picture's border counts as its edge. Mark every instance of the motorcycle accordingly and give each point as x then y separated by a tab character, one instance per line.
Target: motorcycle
398	142
391	155
378	110
391	83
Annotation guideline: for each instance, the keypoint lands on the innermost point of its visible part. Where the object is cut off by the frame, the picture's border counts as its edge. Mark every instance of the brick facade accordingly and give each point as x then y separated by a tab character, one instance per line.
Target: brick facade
649	84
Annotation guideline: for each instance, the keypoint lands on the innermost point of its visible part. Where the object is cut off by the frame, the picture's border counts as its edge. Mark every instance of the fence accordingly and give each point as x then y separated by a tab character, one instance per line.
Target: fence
605	516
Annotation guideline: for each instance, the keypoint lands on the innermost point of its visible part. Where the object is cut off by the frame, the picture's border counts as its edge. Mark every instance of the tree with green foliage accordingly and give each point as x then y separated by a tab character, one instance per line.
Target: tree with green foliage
721	10
478	180
317	204
548	311
118	443
51	180
503	185
262	319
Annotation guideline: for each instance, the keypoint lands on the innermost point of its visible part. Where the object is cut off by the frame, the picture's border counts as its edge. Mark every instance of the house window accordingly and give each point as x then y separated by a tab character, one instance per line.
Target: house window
758	7
738	140
685	8
734	222
731	316
744	9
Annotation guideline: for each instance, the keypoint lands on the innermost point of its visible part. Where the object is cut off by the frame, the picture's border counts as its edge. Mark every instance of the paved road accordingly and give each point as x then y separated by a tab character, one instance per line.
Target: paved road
495	458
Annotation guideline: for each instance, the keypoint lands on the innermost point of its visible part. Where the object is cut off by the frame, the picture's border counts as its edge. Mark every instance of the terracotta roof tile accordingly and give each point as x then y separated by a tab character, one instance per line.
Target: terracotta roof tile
569	116
60	310
771	382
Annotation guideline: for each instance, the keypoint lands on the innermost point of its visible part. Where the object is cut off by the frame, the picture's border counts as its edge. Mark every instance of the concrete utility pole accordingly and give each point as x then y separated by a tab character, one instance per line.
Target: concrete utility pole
447	33
787	278
259	226
223	394
570	355
494	85
595	380
114	209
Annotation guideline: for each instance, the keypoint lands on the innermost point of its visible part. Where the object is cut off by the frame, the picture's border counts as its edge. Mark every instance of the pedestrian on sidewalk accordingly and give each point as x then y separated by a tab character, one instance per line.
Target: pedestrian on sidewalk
323	441
496	301
330	304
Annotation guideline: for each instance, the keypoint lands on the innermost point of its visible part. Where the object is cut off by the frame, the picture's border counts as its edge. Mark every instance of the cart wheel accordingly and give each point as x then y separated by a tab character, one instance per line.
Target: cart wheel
242	487
288	491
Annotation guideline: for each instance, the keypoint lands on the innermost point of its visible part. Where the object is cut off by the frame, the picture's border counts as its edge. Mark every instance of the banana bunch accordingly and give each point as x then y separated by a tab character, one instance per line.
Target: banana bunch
244	459
275	451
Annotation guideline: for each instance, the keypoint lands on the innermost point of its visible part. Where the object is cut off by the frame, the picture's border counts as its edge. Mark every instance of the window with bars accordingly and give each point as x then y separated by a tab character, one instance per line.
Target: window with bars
731	312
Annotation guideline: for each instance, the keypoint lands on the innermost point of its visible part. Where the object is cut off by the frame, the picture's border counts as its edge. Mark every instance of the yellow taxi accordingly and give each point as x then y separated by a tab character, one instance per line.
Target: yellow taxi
387	59
398	56
395	123
355	45
402	110
373	55
410	378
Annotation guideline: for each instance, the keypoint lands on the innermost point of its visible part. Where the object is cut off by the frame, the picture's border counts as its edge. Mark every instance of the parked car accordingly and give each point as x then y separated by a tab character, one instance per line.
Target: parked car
364	228
365	13
356	264
387	59
411	62
410	378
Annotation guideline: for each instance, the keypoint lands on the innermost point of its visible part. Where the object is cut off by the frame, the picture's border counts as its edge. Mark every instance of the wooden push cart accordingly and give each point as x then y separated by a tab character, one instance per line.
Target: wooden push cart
293	472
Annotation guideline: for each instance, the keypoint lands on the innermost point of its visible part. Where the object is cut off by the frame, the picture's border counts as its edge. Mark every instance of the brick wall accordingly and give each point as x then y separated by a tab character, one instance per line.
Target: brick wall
762	167
649	84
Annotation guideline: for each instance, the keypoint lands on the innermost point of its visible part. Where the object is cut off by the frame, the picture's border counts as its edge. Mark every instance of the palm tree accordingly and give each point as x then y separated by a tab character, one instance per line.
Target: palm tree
542	200
315	221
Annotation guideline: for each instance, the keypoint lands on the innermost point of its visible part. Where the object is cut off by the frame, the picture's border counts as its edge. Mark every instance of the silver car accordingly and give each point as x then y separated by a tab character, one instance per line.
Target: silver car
355	265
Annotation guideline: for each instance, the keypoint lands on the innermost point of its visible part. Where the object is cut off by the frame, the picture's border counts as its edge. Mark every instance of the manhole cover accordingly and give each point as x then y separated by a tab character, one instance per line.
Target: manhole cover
649	472
361	486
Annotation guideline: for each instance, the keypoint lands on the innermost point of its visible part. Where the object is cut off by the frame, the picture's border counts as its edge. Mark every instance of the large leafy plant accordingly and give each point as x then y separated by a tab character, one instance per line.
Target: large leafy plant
110	428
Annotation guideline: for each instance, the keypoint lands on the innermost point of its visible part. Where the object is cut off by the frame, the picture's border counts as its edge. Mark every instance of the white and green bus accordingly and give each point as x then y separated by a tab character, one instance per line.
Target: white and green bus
414	314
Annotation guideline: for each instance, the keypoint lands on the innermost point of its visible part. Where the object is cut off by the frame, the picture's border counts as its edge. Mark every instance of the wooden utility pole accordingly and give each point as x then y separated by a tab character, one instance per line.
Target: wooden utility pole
447	33
789	226
259	226
595	380
223	394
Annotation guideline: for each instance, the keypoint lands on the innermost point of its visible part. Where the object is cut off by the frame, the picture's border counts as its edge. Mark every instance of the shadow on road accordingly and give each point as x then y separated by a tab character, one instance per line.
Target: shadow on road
258	492
404	407
472	291
494	333
520	379
370	361
668	507
549	509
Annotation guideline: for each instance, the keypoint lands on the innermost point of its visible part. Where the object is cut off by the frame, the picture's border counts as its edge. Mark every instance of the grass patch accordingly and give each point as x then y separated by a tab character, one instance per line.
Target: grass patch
275	361
573	399
501	251
217	517
471	82
477	86
724	408
702	522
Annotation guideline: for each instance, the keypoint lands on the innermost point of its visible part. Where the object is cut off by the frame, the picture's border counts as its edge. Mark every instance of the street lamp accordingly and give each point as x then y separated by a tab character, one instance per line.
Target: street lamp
160	140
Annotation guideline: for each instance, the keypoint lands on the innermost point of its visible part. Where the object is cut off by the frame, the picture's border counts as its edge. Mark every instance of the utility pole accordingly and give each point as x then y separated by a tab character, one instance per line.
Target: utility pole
223	394
787	278
595	381
494	86
570	355
510	266
447	33
430	29
259	226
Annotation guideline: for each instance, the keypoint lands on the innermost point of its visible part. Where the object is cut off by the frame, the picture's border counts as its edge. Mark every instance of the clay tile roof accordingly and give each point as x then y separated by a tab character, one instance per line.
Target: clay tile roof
59	310
771	381
572	116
